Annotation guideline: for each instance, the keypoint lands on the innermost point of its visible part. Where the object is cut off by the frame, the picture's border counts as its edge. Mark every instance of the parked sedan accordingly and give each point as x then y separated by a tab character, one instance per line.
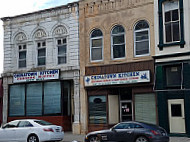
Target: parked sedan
30	130
129	132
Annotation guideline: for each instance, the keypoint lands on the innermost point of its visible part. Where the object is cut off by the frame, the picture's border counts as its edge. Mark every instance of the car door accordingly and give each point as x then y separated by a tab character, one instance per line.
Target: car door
23	130
124	132
8	132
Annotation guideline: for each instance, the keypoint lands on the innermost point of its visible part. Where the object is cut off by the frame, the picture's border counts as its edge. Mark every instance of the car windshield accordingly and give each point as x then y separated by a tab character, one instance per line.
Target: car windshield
41	122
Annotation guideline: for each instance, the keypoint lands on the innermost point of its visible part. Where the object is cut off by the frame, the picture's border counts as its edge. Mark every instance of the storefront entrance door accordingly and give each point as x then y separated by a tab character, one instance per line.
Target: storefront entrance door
176	116
126	111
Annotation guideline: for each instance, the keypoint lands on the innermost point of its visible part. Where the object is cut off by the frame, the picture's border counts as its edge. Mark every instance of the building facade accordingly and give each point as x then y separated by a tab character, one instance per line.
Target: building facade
172	64
41	66
1	99
116	64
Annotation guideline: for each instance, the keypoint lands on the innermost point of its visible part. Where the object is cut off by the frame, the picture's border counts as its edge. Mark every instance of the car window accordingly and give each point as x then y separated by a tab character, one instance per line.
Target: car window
137	126
44	123
124	126
12	124
25	124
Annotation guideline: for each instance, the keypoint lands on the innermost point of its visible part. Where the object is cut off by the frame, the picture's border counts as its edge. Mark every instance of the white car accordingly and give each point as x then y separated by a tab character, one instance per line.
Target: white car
30	130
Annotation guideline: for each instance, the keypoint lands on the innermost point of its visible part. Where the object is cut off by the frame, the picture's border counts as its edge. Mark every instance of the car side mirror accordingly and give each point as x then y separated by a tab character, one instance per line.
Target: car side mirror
113	129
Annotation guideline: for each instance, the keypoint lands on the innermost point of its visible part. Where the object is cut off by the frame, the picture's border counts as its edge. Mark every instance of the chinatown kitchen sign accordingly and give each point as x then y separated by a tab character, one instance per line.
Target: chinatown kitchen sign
36	76
117	78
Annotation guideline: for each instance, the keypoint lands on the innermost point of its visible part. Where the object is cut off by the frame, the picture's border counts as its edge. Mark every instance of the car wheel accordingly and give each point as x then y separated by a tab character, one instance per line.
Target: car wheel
94	139
33	138
141	139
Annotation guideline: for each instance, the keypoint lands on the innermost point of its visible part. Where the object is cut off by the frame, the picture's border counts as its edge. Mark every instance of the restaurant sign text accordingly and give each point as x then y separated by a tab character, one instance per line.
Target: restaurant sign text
36	76
117	78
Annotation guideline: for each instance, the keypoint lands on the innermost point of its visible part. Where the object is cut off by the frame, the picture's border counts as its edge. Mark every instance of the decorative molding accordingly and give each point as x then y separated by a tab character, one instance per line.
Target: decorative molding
20	37
40	34
60	30
104	6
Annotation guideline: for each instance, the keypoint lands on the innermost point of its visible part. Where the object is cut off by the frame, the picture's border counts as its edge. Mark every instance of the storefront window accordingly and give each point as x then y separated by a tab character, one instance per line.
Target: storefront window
97	110
38	99
52	98
17	100
34	99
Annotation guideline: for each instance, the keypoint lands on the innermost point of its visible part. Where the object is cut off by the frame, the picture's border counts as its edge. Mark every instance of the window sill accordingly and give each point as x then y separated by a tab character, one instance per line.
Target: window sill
180	43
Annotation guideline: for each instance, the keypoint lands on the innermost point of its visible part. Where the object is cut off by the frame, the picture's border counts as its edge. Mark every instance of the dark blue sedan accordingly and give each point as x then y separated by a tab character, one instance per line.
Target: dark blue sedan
129	132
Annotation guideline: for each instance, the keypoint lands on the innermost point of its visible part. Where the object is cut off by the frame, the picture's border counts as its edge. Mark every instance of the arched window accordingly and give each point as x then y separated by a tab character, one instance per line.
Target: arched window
141	39
118	42
96	45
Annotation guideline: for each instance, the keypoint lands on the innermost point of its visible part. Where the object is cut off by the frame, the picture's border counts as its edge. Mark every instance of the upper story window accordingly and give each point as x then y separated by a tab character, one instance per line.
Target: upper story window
96	45
171	21
141	39
41	53
62	50
22	56
118	42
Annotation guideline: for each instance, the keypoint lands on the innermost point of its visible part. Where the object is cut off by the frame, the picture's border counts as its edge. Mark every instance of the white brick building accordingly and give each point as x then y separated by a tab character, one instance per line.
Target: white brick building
41	66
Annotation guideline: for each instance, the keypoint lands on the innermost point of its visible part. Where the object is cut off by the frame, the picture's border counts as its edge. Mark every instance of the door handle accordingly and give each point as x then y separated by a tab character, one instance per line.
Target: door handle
129	132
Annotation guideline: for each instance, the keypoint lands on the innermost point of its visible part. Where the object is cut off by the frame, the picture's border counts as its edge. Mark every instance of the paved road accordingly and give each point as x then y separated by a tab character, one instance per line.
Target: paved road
69	137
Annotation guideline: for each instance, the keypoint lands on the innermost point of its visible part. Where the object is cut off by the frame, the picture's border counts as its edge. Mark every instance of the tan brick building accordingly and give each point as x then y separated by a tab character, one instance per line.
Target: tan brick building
116	65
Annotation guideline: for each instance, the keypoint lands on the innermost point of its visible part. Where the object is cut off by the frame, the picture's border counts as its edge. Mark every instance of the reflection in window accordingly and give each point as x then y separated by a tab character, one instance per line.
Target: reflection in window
118	42
96	45
97	110
141	38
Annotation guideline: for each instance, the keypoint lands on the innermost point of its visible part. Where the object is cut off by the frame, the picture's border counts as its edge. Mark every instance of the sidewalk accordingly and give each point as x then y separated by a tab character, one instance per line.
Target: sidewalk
69	137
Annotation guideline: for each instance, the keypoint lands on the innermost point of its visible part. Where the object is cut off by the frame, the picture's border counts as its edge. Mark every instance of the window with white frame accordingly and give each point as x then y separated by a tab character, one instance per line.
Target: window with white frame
141	39
171	21
41	53
62	50
118	42
22	56
96	45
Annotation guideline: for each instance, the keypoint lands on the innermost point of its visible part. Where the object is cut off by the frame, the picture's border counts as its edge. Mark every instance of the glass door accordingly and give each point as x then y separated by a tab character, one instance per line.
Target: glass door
126	111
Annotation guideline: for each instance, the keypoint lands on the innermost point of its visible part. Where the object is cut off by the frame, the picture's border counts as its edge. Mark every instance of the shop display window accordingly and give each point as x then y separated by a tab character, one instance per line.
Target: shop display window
52	98
17	100
38	99
97	110
34	99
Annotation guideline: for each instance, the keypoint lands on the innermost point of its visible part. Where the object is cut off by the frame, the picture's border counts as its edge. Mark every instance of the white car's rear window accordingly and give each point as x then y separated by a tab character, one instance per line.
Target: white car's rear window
43	123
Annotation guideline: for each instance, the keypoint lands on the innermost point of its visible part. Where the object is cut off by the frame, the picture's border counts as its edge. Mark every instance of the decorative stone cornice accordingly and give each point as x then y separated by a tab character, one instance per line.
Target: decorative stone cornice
92	7
34	16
